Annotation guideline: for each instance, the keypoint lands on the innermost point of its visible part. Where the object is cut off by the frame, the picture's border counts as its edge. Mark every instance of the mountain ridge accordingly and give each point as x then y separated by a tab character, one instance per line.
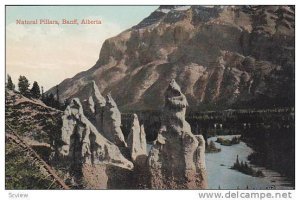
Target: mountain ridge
222	56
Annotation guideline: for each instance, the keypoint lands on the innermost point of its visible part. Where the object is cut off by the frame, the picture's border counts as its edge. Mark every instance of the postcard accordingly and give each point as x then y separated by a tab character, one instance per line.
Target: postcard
172	97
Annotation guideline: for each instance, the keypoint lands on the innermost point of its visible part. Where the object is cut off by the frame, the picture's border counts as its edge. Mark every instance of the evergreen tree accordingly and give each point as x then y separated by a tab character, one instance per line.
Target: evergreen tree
43	96
10	85
23	85
35	90
237	160
57	95
50	100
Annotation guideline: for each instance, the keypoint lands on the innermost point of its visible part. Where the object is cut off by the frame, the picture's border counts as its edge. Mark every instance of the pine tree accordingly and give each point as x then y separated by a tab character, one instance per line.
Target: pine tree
49	100
57	95
10	85
35	90
23	85
43	96
237	160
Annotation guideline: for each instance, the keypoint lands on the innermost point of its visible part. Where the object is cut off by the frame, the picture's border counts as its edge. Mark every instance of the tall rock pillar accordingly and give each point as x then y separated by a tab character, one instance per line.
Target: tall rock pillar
112	123
177	159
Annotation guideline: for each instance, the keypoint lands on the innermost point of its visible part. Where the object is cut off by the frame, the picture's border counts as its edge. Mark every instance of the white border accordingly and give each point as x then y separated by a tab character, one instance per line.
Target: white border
151	2
125	194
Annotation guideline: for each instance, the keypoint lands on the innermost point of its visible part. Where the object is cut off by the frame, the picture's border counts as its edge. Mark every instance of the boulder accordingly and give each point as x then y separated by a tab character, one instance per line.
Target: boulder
176	161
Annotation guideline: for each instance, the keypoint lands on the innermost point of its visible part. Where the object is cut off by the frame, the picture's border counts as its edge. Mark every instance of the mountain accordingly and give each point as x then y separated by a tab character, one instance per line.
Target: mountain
222	56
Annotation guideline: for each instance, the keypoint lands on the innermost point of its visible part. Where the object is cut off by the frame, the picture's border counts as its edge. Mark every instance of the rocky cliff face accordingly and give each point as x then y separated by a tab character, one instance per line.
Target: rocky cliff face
222	56
177	159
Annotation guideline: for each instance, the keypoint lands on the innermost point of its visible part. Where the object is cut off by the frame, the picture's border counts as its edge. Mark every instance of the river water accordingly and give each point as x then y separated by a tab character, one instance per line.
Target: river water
220	176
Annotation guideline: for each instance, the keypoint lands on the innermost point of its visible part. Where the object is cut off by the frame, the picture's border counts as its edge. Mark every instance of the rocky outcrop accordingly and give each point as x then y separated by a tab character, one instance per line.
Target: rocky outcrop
112	123
222	56
177	160
136	141
93	105
83	144
200	155
96	161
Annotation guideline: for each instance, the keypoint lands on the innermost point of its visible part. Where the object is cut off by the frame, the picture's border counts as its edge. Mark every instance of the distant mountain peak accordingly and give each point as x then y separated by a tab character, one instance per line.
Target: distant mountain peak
168	8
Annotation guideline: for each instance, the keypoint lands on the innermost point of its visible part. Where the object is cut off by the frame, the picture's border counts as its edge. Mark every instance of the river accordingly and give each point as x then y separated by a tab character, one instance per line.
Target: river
220	176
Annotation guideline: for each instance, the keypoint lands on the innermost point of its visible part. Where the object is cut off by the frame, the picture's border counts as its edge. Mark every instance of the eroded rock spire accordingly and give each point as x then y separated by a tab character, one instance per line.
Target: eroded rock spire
137	140
83	144
176	161
112	123
94	105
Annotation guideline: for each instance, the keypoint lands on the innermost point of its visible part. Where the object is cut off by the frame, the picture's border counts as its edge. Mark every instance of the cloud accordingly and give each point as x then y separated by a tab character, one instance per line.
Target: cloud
50	53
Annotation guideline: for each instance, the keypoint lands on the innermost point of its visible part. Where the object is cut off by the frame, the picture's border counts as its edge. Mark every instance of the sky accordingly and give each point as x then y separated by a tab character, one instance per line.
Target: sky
49	54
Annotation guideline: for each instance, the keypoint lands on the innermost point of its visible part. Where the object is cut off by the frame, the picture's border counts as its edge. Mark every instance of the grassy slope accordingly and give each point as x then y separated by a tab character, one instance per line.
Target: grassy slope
36	123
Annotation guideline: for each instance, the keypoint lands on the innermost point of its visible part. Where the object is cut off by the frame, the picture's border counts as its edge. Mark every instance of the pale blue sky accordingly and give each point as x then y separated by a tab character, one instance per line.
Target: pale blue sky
125	16
49	54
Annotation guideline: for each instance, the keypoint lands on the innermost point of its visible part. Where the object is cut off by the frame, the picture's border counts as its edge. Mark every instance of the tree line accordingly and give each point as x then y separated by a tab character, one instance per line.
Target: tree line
35	91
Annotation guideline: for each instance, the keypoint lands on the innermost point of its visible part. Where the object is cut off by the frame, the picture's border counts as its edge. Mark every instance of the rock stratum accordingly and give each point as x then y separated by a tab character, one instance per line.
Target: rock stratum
222	56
